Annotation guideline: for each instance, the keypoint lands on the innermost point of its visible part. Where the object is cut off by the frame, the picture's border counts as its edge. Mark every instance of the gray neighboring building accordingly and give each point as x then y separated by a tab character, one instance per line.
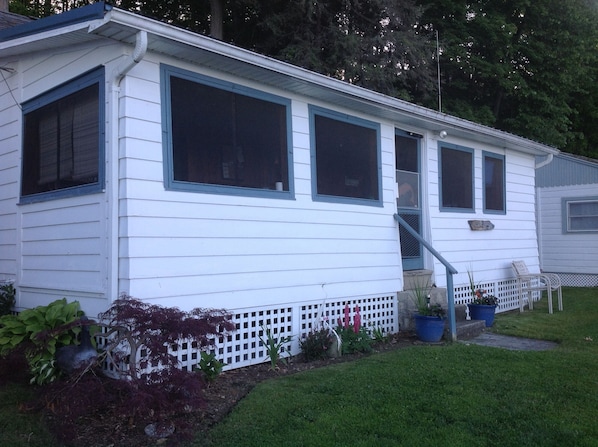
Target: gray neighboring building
567	210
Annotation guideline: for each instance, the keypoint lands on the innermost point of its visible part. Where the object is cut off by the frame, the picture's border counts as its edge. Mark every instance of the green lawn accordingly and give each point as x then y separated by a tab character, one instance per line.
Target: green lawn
20	429
452	395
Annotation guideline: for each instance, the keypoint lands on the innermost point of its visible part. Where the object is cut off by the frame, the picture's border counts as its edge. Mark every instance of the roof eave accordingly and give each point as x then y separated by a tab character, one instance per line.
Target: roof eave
122	26
306	82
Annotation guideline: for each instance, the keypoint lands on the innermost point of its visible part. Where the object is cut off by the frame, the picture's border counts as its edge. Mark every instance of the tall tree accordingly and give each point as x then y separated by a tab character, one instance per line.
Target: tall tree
515	64
371	43
525	66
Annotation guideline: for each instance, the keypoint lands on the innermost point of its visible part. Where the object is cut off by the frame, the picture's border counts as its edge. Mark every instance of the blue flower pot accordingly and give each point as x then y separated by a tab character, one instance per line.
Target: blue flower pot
428	329
482	312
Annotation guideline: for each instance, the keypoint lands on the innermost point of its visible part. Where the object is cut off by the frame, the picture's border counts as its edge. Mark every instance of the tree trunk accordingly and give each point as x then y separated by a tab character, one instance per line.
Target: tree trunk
216	18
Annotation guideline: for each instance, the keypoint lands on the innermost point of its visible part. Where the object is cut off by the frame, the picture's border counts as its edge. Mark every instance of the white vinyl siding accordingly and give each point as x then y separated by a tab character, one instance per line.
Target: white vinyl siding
59	246
488	254
191	249
10	153
200	249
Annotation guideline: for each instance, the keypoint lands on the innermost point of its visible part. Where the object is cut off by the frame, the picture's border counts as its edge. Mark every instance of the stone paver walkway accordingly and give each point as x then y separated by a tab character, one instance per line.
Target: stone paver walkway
512	343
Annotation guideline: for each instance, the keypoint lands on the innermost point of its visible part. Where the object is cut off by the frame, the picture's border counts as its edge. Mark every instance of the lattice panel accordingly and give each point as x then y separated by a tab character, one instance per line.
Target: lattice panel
507	294
243	347
376	313
578	280
506	291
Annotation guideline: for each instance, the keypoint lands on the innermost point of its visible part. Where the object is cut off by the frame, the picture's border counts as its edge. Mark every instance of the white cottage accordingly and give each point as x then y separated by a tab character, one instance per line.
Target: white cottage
144	159
567	203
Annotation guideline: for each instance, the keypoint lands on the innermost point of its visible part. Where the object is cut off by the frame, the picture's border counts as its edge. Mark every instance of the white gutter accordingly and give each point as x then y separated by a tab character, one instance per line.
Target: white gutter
544	162
113	158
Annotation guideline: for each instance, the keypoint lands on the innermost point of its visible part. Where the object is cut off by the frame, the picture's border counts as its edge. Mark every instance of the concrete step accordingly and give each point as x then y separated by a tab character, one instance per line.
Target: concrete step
468	329
417	278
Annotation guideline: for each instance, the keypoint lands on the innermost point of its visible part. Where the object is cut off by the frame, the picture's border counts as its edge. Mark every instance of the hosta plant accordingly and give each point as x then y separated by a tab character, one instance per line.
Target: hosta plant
41	331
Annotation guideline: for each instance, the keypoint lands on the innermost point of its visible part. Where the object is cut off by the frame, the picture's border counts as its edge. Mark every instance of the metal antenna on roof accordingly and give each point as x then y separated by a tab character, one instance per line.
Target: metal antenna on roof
438	70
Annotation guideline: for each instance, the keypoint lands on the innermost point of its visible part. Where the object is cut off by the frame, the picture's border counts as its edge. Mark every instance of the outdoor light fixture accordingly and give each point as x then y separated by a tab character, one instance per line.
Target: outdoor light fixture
442	134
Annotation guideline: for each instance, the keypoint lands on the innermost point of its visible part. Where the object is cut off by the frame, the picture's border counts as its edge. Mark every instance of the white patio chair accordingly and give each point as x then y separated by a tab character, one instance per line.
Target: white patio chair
530	282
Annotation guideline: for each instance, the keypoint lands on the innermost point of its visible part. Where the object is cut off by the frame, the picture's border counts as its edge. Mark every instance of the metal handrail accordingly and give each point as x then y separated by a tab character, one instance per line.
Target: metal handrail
450	271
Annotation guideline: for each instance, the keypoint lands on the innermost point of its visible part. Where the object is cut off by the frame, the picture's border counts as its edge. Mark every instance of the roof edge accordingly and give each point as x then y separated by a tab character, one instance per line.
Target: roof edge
78	15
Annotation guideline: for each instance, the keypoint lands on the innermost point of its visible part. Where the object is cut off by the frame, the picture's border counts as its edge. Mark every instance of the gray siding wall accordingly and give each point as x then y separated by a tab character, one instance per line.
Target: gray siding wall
565	252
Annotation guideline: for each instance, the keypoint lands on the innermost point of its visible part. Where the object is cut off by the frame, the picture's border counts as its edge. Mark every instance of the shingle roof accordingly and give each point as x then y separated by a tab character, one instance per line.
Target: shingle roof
8	19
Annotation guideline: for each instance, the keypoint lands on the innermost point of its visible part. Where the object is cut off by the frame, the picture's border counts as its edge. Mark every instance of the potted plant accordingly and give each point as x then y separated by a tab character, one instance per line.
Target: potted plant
483	305
429	318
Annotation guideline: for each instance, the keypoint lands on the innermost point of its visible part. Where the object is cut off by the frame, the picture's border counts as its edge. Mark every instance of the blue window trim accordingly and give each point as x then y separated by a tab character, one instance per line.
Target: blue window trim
166	71
485	155
96	76
463	149
343	117
565	213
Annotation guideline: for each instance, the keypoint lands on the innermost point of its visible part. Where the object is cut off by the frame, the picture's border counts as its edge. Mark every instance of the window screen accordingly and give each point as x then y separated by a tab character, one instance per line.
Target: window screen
456	171
227	138
346	158
61	143
494	183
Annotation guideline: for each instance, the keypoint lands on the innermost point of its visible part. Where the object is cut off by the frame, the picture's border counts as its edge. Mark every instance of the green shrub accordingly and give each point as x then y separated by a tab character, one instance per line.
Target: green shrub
316	345
41	332
274	346
359	341
210	366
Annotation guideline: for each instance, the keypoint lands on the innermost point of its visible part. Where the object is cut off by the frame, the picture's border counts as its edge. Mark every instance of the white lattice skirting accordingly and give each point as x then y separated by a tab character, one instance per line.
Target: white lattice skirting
505	290
578	280
244	348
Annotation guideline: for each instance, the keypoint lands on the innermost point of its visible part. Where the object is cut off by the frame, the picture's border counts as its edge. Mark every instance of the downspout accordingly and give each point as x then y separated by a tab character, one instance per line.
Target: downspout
136	57
544	162
113	157
539	165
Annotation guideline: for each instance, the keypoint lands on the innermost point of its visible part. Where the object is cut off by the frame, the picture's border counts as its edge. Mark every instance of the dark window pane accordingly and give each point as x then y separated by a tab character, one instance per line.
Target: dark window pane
407	154
225	138
346	159
457	181
407	173
61	143
494	184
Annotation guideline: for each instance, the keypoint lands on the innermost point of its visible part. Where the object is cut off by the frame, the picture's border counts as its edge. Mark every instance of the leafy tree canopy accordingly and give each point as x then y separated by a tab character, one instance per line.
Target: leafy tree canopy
524	66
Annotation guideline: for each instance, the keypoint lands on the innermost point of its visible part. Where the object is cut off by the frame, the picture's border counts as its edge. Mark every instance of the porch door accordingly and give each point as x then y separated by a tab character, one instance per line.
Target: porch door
407	153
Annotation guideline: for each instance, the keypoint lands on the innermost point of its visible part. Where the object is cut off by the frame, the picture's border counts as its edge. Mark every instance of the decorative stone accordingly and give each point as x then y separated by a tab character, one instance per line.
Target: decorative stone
159	431
480	225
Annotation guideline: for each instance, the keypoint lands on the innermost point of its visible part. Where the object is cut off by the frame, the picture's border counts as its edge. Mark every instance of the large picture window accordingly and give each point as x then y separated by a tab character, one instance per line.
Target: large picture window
63	139
225	138
494	183
580	215
456	178
345	157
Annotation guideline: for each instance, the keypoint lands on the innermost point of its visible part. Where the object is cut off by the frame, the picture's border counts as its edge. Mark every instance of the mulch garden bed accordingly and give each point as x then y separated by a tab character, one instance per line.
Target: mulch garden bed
109	428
